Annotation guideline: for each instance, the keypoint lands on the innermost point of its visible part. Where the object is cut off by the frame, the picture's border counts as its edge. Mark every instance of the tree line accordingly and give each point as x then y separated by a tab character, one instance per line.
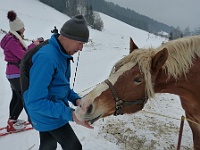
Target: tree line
178	33
74	7
90	9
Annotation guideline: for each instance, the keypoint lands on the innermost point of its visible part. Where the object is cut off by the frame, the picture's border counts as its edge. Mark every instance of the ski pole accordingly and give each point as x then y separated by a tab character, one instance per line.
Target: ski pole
76	69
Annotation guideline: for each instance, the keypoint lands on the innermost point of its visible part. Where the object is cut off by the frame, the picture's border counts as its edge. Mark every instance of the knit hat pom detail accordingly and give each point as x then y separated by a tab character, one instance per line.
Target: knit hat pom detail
11	15
15	23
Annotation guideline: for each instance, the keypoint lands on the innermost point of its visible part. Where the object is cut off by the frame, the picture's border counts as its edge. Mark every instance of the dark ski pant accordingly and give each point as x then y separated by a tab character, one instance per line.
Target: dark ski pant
16	103
64	135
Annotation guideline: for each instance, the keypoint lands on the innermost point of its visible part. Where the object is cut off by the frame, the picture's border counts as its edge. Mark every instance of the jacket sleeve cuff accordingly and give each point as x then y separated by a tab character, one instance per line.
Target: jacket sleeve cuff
71	114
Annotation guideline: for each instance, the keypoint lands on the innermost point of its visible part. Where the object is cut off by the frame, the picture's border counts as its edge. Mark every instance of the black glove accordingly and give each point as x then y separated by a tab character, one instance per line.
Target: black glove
40	39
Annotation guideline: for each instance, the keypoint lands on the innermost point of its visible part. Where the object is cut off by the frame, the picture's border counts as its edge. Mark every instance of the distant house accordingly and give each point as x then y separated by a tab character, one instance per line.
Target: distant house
163	34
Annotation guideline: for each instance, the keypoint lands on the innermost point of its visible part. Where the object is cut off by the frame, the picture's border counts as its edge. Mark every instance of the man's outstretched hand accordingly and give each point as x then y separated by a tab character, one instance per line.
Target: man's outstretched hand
83	123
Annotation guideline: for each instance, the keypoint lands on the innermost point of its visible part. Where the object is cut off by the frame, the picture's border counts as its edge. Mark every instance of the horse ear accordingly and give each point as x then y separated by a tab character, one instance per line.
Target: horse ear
133	46
159	60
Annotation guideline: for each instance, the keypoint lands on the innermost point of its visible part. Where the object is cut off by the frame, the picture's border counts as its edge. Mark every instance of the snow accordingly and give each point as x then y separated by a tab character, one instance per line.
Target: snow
156	127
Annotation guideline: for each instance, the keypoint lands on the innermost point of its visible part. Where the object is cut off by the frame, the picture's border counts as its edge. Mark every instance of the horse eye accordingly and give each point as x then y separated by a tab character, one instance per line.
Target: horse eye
138	80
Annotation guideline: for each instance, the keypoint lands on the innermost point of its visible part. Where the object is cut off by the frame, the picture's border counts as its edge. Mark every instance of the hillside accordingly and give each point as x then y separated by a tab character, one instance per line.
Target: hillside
129	16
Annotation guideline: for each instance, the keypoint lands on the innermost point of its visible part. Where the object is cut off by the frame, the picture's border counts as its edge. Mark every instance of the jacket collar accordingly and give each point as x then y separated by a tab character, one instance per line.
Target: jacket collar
54	40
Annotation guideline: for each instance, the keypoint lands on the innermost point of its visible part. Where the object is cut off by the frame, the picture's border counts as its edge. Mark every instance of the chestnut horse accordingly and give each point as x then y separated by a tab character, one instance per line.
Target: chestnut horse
174	68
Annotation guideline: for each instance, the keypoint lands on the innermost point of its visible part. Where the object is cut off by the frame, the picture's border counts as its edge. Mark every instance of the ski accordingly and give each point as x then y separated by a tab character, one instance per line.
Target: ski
11	132
25	123
4	132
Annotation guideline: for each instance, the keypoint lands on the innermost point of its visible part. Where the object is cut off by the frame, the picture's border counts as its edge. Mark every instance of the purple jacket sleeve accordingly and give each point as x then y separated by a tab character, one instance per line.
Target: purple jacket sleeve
31	46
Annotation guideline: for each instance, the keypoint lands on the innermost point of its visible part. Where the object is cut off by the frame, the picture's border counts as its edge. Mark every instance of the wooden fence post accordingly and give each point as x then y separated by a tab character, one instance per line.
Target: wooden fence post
180	132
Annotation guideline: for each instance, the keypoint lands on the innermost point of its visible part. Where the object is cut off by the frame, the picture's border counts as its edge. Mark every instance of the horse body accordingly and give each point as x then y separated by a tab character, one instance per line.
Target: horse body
188	91
171	68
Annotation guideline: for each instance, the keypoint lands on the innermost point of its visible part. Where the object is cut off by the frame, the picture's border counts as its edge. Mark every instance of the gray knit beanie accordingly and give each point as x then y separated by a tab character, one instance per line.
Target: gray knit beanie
76	29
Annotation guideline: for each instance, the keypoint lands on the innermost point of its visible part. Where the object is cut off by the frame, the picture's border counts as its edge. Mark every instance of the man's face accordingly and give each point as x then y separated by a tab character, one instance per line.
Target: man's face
72	46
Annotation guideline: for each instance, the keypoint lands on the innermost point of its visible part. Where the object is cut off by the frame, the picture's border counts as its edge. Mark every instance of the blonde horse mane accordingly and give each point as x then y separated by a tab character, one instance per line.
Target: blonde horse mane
181	52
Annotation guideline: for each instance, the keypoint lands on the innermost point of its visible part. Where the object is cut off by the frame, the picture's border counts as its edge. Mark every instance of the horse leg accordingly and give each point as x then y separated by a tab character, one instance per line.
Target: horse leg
195	131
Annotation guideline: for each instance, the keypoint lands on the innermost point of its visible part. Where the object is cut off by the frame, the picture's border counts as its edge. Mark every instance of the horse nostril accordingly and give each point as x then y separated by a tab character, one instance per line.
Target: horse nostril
90	109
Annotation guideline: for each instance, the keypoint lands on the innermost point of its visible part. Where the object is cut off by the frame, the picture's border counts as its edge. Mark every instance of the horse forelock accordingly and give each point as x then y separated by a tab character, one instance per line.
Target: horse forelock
180	54
143	58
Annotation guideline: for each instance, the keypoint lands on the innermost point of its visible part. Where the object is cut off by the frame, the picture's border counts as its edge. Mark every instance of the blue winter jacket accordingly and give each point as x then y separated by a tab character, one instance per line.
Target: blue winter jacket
46	100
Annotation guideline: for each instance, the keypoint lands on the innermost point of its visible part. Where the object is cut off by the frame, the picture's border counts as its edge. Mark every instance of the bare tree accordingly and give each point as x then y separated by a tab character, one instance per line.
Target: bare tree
98	23
187	32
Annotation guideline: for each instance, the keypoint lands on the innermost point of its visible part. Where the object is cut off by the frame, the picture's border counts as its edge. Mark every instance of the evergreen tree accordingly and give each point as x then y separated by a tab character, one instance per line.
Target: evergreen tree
186	32
89	15
175	34
59	5
71	7
197	31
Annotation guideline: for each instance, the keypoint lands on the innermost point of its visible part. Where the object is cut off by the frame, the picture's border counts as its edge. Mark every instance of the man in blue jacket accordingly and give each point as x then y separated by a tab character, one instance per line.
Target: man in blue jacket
45	80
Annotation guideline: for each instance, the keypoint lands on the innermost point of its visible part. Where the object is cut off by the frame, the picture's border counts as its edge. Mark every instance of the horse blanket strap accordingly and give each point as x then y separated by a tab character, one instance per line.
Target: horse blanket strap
119	102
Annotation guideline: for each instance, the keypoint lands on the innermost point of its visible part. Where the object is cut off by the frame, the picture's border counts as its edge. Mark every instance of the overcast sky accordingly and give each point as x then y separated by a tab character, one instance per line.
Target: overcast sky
182	13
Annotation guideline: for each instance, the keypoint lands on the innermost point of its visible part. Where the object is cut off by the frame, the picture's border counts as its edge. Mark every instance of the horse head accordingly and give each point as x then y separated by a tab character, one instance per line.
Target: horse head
125	91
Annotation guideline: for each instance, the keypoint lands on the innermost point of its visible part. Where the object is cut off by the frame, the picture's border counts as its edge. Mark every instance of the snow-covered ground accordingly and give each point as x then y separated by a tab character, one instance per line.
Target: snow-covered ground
156	127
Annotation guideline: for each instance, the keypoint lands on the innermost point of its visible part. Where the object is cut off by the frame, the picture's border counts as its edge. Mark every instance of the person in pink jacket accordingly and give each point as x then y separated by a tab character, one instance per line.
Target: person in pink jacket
14	49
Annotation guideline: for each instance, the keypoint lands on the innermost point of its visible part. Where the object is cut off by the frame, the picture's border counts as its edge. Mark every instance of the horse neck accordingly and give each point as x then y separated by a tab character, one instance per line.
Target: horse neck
182	85
165	84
